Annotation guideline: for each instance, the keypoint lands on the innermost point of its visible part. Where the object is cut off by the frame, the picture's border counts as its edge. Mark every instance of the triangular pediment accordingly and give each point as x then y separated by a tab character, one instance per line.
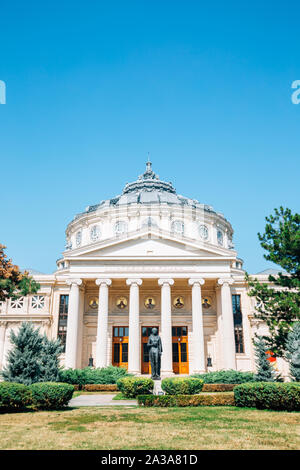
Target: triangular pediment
150	244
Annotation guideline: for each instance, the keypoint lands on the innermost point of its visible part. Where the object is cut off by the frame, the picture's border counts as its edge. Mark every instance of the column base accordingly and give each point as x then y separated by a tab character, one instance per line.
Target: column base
198	372
134	372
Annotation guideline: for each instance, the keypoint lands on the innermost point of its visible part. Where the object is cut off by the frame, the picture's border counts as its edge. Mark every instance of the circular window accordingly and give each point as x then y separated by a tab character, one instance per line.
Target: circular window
95	233
120	227
220	237
203	232
78	238
178	226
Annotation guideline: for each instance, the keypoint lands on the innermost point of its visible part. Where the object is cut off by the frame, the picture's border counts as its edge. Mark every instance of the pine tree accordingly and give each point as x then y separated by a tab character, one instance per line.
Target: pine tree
24	365
50	360
279	307
293	351
265	372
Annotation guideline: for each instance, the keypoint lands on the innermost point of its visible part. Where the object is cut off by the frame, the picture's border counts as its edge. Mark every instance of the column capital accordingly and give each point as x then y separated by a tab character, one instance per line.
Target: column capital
76	282
226	281
199	281
101	281
133	281
163	281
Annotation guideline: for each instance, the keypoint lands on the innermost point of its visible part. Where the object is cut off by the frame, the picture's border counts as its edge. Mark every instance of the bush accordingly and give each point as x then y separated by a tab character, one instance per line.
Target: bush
220	399
226	377
182	385
50	395
133	386
14	396
100	388
218	387
88	375
268	395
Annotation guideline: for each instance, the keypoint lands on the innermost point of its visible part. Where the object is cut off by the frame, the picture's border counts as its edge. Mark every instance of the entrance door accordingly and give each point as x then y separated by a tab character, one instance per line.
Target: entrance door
120	346
146	332
180	349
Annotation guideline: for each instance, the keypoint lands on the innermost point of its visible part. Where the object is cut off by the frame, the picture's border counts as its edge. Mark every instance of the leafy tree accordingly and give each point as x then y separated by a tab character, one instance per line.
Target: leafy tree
279	307
24	365
265	371
33	358
13	283
293	351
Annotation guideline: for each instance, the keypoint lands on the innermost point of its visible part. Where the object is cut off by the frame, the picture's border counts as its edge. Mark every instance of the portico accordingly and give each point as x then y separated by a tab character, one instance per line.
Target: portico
176	305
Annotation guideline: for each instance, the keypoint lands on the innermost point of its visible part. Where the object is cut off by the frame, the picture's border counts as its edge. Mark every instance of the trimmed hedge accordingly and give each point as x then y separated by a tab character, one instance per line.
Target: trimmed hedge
133	386
220	399
14	396
182	385
50	395
226	377
269	395
218	387
88	376
100	388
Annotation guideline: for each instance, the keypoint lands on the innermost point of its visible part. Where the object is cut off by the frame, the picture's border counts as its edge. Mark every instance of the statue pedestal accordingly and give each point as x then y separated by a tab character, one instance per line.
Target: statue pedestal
157	390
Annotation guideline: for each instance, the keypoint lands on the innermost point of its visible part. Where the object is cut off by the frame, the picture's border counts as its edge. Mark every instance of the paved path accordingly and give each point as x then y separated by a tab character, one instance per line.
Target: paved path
100	400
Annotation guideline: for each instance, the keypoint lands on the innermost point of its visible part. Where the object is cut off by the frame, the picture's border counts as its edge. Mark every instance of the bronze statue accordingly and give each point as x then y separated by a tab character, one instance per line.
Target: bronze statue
155	352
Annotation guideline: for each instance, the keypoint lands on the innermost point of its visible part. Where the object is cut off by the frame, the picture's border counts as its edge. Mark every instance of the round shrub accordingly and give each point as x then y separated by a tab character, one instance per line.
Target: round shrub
131	387
182	385
51	395
226	377
268	395
14	396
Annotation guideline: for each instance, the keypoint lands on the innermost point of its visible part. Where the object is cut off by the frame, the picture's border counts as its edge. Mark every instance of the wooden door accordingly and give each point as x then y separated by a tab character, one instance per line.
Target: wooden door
180	349
120	346
145	365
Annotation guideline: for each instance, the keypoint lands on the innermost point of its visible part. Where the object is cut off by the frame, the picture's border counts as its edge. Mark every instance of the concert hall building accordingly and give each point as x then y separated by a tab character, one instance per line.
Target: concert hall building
146	258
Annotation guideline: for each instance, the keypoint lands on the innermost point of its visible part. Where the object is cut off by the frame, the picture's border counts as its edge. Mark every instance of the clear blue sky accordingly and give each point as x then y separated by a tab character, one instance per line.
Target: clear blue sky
93	86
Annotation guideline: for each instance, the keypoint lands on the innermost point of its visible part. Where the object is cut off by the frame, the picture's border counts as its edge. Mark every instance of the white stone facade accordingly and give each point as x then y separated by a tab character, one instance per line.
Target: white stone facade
148	243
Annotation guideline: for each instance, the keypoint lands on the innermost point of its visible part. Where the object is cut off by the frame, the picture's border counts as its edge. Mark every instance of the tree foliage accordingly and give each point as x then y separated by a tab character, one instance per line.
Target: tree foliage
265	371
33	357
293	351
278	305
14	283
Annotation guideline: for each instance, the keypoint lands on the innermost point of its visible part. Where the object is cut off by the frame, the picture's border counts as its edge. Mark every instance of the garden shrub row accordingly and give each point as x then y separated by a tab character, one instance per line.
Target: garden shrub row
131	387
218	387
268	395
89	376
100	388
220	399
182	385
226	377
42	395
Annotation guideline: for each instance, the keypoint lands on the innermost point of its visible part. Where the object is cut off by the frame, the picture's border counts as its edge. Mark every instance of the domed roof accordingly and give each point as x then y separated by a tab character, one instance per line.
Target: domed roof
149	189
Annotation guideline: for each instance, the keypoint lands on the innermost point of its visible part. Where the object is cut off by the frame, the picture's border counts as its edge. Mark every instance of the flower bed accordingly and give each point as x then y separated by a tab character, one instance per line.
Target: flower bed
220	399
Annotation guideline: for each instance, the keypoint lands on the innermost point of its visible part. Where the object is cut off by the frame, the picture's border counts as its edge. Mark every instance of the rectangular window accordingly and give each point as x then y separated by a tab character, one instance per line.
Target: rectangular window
238	323
63	319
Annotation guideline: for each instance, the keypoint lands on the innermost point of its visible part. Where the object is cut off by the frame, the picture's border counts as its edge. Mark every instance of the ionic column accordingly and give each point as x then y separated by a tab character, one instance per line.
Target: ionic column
198	359
102	325
228	340
166	326
73	323
134	355
2	340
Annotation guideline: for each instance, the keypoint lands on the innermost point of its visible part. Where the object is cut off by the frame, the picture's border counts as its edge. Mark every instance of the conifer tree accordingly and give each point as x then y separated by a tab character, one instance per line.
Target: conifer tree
265	371
50	360
293	351
24	365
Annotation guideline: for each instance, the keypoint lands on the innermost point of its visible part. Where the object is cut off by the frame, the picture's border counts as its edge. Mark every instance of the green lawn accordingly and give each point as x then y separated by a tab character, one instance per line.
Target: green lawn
150	428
